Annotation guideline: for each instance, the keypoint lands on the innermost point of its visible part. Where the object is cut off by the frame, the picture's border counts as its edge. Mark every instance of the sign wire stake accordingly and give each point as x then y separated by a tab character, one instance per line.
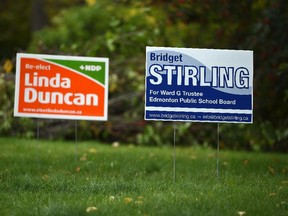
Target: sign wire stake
218	150
37	141
76	141
38	130
174	153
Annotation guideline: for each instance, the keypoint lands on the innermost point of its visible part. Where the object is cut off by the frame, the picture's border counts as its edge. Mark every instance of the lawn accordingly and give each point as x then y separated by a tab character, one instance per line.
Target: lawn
89	178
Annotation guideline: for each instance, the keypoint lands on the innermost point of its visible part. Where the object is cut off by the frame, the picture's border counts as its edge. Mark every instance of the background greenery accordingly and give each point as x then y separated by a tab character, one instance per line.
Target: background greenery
121	30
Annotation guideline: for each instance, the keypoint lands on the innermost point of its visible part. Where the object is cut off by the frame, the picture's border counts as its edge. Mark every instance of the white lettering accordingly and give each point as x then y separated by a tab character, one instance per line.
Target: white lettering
31	95
242	78
153	71
220	77
42	81
190	73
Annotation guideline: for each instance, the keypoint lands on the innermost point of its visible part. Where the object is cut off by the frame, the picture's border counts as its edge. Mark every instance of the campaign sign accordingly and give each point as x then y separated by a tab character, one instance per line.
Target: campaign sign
61	87
201	85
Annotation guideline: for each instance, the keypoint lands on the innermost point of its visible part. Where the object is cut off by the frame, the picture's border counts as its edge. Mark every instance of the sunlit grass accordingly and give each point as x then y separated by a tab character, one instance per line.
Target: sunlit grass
61	178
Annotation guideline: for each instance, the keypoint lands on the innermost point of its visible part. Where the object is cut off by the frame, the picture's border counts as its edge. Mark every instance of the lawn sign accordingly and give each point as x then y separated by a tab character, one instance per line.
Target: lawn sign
199	85
61	87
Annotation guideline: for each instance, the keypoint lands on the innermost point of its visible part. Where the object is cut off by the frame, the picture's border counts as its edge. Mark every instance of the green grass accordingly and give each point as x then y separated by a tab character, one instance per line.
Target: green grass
44	178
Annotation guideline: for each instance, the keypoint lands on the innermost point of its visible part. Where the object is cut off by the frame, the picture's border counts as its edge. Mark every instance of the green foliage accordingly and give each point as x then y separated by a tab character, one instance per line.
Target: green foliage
14	25
16	22
269	43
120	33
8	124
122	29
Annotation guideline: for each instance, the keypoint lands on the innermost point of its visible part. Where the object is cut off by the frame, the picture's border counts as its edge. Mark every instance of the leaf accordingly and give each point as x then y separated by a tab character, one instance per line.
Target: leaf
241	213
8	66
272	194
246	162
84	157
271	170
115	144
91	209
93	150
45	177
77	169
139	202
90	2
128	200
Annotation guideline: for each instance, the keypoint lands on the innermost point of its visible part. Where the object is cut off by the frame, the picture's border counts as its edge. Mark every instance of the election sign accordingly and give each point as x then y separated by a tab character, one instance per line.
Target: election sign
61	87
201	85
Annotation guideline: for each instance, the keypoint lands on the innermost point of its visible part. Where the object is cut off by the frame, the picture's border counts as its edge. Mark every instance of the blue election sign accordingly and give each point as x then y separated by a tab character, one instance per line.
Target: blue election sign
199	85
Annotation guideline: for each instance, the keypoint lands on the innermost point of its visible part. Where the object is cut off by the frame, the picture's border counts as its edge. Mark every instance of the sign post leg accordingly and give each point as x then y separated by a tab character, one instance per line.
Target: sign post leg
76	141
38	142
218	149
174	153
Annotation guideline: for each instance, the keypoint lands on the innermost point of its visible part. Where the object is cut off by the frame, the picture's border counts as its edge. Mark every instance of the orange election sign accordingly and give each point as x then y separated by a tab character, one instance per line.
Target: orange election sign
61	87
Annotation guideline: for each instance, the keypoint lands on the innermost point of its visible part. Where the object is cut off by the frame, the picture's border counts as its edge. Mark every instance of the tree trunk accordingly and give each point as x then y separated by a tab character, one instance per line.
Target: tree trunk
38	16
